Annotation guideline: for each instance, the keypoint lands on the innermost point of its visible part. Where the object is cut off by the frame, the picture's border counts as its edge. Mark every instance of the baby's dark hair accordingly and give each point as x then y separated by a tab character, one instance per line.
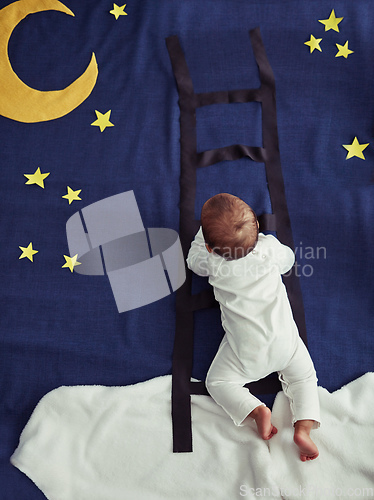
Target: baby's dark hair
229	226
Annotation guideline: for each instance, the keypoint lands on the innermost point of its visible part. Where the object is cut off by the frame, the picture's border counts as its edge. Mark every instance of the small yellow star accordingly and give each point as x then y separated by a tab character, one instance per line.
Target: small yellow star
355	149
72	195
28	252
332	22
314	43
71	262
118	11
36	178
343	50
102	120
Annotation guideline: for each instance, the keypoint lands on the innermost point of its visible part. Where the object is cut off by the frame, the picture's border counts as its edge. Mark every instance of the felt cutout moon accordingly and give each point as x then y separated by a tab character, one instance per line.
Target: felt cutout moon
22	103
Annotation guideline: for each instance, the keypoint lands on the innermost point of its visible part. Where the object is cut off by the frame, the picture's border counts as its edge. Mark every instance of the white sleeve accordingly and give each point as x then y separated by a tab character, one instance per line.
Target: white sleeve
197	258
281	255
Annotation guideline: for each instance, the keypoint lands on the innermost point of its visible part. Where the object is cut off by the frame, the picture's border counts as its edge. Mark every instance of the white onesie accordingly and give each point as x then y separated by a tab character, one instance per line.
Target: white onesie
261	336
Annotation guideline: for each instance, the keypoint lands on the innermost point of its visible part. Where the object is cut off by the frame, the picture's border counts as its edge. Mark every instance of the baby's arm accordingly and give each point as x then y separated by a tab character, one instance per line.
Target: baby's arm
197	257
281	254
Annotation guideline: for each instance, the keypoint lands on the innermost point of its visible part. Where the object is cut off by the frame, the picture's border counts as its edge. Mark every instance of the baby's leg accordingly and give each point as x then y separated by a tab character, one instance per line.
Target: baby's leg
299	383
262	416
225	381
308	449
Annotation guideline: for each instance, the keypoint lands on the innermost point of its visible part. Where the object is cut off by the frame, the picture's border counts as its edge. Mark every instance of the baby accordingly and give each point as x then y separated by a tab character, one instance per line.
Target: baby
261	337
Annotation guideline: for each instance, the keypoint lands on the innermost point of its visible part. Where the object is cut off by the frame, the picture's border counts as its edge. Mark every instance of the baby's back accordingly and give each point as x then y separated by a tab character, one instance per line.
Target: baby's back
256	314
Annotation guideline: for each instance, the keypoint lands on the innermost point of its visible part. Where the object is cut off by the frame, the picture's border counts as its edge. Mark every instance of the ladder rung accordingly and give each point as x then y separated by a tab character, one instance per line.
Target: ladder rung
198	388
227	97
267	222
203	300
233	152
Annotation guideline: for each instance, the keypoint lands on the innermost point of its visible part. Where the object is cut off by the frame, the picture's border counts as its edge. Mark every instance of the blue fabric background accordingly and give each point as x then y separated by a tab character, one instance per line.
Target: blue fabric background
61	328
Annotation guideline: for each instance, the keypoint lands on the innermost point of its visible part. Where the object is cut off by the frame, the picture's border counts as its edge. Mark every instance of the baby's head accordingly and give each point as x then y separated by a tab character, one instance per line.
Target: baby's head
230	226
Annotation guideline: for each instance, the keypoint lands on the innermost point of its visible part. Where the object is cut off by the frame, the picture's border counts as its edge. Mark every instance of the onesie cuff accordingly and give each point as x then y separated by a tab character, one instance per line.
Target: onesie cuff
239	422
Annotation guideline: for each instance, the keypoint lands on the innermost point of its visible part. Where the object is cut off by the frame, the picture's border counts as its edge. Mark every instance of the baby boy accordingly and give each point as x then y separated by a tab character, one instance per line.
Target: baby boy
245	267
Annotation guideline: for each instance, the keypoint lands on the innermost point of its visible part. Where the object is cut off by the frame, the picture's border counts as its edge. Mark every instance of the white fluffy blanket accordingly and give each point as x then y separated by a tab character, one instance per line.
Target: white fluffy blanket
115	443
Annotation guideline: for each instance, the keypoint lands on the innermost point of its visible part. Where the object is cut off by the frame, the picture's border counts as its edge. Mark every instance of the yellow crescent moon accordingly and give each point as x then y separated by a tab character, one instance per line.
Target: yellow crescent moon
22	103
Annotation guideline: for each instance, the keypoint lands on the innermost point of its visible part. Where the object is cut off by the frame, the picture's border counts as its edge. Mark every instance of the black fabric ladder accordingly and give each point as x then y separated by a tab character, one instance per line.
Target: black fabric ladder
278	220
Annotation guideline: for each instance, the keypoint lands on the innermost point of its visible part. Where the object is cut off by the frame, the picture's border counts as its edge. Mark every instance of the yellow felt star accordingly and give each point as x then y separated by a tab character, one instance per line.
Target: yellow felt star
28	252
36	178
102	120
314	43
355	149
343	50
71	262
72	195
332	22
118	11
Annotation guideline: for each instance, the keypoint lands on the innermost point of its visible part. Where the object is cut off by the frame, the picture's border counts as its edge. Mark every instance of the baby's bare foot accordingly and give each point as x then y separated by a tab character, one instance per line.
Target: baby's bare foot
262	417
308	450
